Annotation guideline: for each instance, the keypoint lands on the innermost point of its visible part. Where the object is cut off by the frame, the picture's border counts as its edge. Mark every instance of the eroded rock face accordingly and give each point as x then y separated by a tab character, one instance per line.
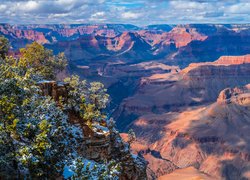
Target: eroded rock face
233	60
100	146
189	119
198	84
212	138
179	36
182	35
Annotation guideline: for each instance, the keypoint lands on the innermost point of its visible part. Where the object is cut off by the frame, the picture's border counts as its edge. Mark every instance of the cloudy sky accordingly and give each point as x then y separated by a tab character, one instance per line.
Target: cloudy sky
138	12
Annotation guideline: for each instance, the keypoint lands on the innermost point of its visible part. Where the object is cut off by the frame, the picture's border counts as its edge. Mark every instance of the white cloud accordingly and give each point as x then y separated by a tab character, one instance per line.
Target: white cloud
3	7
186	5
28	6
130	15
98	14
57	15
98	17
239	8
125	11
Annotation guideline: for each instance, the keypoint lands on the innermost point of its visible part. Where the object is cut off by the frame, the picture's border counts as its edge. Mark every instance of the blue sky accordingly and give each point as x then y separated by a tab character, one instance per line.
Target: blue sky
138	12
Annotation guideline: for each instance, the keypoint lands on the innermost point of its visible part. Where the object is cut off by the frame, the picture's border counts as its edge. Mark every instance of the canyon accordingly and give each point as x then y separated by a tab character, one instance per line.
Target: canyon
212	138
183	89
197	84
173	44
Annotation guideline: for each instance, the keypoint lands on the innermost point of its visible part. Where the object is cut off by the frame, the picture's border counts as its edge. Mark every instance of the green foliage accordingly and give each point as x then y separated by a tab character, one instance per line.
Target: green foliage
4	47
36	138
88	99
35	63
41	60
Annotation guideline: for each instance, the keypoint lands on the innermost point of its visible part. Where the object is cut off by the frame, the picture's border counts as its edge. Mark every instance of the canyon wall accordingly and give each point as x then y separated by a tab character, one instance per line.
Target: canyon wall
212	138
174	44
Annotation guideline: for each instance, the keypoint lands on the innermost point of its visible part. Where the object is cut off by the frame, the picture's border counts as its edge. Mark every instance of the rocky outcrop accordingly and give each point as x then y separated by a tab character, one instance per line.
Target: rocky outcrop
236	95
179	36
54	89
222	61
99	146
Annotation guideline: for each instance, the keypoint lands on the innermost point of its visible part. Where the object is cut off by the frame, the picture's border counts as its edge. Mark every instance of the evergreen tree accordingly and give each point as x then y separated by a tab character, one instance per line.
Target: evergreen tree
37	141
89	99
41	60
131	136
4	47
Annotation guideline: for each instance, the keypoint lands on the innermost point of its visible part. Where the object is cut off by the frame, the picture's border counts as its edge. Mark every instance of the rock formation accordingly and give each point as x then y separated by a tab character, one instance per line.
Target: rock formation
212	138
178	44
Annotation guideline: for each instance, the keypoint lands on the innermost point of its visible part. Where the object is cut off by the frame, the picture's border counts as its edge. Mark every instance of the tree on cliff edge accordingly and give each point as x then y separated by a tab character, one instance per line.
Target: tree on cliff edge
36	138
42	61
37	141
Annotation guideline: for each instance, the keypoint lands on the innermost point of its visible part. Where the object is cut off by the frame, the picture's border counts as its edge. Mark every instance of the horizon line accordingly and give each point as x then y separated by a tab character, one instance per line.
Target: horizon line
170	24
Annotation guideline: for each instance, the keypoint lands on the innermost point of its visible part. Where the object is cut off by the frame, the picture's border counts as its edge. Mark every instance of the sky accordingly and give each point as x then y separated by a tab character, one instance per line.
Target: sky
137	12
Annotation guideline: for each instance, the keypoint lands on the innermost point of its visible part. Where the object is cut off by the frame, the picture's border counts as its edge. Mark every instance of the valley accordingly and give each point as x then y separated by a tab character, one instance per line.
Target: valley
183	89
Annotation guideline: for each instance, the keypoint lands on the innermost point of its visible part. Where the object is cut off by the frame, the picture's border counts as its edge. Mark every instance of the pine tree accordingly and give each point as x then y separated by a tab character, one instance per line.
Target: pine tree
131	137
